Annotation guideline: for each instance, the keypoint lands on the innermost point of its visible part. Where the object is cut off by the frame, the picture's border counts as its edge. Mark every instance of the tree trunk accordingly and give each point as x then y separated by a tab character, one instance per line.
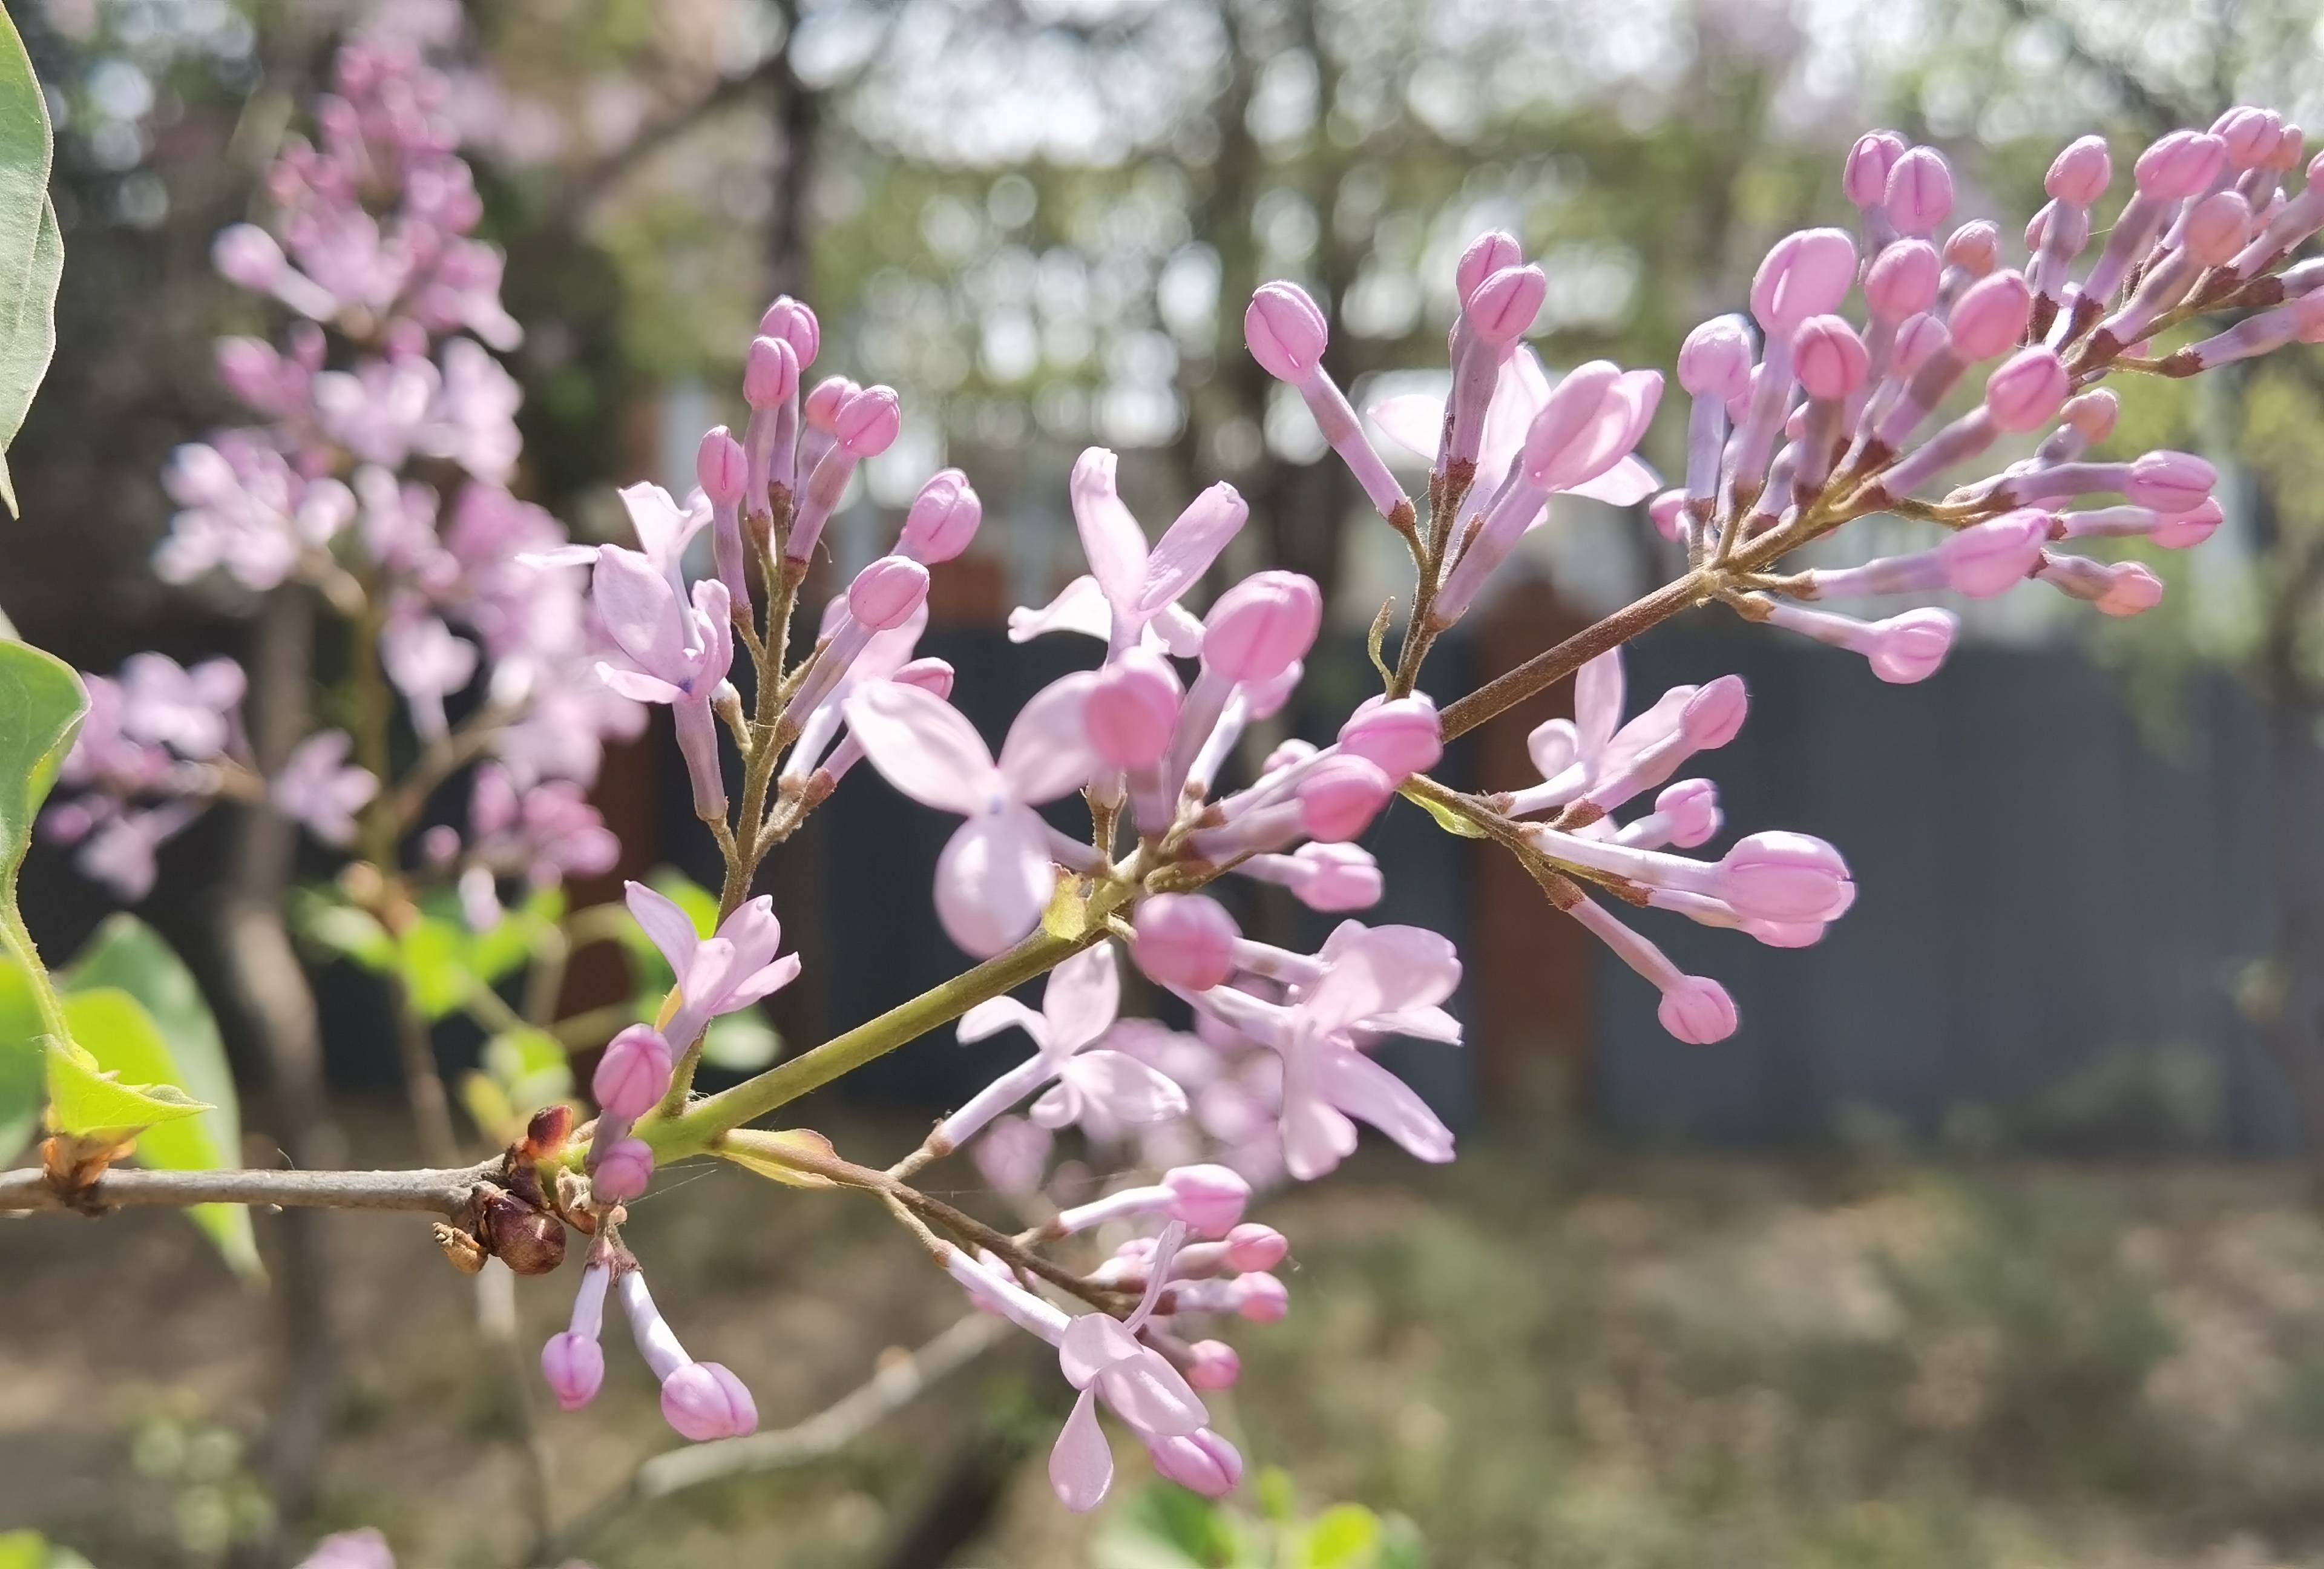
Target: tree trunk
278	1016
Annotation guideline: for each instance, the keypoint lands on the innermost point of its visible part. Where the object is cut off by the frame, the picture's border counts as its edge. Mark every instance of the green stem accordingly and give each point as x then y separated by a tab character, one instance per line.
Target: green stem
17	939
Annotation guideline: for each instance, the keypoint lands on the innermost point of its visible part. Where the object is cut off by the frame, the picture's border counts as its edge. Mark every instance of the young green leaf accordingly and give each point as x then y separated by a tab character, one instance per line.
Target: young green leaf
32	245
128	956
40	706
1451	821
741	1043
20	1059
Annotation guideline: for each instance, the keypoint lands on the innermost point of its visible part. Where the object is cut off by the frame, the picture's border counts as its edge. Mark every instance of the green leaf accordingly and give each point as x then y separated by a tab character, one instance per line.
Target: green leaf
20	1058
23	1550
1451	821
530	1068
40	706
128	956
332	924
518	935
1343	1536
741	1043
433	960
31	246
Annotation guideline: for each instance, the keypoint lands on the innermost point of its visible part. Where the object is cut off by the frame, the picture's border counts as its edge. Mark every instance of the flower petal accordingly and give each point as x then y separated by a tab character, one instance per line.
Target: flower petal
669	928
1111	537
637	685
1082	996
762	983
1412	420
640	613
1093	1342
1153	1397
1626	483
1189	546
1385	969
1360	1087
1081	1466
995	1014
1047	752
1123	1087
1597	701
1178	630
922	745
1080	606
993	879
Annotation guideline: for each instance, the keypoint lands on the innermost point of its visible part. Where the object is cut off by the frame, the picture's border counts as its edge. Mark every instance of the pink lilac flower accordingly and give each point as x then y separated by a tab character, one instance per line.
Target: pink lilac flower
995	877
678	653
320	790
1078	1006
1379	981
702	1400
734	969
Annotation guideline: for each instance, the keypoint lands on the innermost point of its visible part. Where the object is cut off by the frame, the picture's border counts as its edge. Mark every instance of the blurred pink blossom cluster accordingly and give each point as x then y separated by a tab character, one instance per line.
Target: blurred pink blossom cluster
454	591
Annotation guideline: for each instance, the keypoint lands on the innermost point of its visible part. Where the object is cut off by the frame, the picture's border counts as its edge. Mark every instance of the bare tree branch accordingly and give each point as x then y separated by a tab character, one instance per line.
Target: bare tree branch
439	1191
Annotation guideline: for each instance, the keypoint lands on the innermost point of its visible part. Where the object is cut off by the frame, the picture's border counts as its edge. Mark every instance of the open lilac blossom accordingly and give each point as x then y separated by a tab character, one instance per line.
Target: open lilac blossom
1078	1006
1376	979
679	654
995	878
733	969
319	788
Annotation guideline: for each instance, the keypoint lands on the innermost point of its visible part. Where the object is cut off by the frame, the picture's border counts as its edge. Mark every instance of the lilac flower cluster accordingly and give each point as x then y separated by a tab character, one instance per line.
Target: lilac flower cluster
1800	420
459	597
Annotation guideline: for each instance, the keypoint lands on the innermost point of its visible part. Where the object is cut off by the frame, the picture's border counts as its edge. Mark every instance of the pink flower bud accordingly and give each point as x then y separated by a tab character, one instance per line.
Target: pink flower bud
703	1401
574	1366
2190	529
1251	1247
944	518
2093	413
1133	709
1974	248
1783	876
246	255
1265	1298
2171	482
633	1072
1697	1009
1715	360
1261	625
1903	279
1201	1462
1993	557
2217	227
771	373
1185	940
1666	512
1990	314
2180	165
719	467
1918	340
1285	331
1506	303
2078	175
1212	1364
1806	273
929	675
1487	254
1716	712
623	1172
1919	192
2026	389
1690	811
1828	358
1403	736
1335	878
822	404
2132	589
2249	134
1910	647
867	423
1340	796
791	321
1209	1198
1864	178
885	595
